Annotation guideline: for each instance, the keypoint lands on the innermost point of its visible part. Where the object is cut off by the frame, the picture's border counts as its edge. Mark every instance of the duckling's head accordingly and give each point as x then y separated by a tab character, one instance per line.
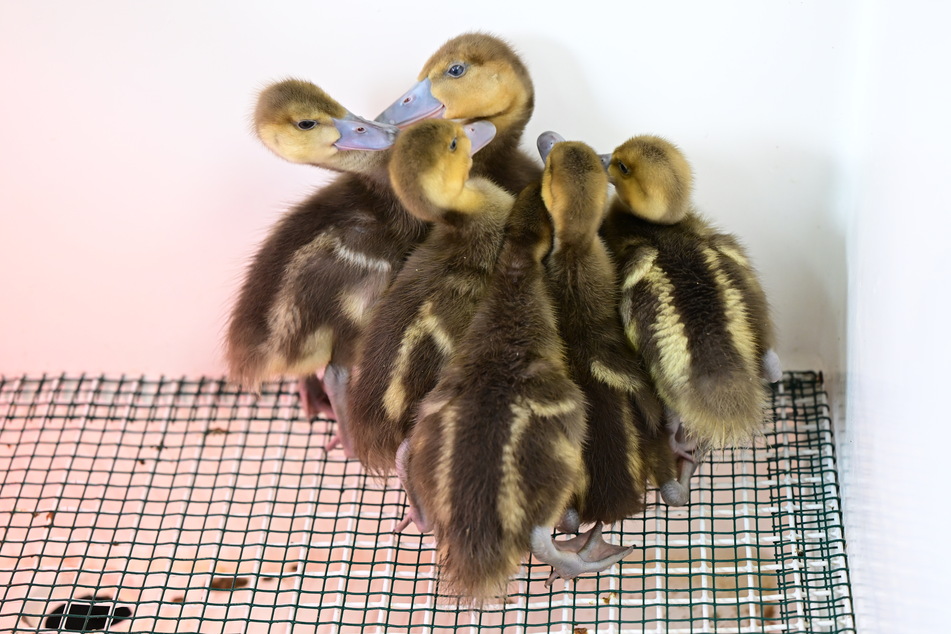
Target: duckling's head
430	165
652	177
474	76
575	190
301	123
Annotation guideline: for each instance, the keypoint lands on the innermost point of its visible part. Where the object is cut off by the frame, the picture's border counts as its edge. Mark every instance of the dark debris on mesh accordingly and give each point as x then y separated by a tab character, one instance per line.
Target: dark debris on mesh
182	505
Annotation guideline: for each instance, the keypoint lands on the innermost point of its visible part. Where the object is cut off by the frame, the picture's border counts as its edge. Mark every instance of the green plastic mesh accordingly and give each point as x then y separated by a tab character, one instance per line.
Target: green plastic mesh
178	505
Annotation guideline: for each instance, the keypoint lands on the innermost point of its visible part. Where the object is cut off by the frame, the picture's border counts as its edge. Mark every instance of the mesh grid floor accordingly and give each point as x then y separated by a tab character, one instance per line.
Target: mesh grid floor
188	506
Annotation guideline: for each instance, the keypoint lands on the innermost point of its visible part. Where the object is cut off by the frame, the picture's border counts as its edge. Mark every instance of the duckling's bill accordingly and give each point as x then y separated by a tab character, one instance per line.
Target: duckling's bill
479	133
357	133
546	141
414	105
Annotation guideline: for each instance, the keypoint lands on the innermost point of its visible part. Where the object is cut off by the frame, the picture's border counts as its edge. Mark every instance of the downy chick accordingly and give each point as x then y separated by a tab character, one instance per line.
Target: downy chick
623	411
496	451
308	290
417	324
690	301
477	77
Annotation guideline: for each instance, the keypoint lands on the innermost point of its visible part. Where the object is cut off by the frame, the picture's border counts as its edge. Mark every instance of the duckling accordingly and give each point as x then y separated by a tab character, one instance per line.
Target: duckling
691	302
417	324
495	455
476	77
623	411
307	292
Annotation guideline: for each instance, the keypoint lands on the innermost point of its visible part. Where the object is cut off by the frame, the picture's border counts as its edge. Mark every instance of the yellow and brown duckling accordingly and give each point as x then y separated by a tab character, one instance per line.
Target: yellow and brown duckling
477	77
623	410
496	454
690	301
417	324
496	450
307	292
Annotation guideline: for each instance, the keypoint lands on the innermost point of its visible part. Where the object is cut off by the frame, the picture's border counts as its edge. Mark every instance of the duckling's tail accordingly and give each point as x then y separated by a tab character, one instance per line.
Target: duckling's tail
726	409
477	565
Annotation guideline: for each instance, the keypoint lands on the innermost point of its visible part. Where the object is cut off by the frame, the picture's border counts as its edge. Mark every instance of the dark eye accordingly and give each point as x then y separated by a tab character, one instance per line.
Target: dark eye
306	124
456	70
621	166
452	146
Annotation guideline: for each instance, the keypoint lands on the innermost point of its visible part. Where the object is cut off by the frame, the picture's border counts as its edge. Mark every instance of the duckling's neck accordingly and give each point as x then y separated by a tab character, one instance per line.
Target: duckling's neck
494	160
577	226
371	164
484	198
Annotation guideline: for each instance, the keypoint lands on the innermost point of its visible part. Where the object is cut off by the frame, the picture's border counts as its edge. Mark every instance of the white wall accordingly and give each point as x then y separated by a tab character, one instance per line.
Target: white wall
132	193
895	436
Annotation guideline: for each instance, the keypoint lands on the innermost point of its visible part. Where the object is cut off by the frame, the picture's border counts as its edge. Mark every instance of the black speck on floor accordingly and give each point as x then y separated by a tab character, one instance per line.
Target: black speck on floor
228	583
84	614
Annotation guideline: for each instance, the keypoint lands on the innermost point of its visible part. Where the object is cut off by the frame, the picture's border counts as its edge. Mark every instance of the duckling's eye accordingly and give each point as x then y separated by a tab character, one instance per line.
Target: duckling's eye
306	124
452	146
624	170
456	70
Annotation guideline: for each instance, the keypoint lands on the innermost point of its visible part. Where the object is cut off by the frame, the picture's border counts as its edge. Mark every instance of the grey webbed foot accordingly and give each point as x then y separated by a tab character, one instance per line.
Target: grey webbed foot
675	493
587	552
313	399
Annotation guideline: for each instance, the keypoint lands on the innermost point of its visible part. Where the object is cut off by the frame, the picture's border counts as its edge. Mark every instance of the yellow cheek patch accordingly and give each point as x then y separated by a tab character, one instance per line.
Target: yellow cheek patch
444	184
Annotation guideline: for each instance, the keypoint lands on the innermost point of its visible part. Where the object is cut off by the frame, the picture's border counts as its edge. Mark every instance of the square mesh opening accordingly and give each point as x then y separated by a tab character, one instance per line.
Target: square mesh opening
177	505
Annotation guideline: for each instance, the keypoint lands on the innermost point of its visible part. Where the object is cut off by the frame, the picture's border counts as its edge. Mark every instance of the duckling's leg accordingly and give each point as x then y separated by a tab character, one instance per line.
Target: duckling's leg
414	514
686	451
587	552
679	444
336	381
313	398
570	522
772	368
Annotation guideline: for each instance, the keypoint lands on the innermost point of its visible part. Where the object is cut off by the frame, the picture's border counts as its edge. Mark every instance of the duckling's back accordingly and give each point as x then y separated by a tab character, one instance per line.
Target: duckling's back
693	306
319	270
418	323
621	404
496	450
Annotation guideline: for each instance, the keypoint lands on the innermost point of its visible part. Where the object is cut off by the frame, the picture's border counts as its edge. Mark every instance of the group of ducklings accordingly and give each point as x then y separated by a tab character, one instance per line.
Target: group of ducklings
526	354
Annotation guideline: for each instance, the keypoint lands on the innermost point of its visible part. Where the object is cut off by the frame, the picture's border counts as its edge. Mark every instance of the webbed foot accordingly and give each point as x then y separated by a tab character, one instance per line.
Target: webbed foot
675	493
587	552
